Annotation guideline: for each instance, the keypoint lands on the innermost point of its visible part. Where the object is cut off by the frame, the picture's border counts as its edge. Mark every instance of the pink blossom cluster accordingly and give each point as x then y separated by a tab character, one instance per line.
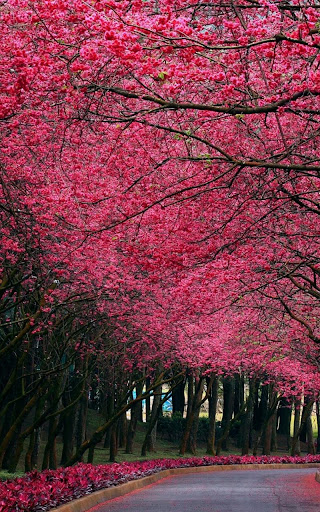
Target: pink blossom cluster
38	492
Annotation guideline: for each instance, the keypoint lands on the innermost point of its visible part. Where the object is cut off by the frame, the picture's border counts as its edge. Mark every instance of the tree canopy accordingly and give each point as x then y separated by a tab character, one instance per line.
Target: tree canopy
160	187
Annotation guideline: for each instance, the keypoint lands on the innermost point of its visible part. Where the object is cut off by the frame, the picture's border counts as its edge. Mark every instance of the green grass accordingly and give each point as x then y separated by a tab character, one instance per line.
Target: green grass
4	475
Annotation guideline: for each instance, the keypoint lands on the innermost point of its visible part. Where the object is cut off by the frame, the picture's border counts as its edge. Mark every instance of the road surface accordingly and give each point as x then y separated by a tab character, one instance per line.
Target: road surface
271	490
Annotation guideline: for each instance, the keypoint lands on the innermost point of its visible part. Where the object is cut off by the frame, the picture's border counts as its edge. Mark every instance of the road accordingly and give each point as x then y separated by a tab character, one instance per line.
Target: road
292	490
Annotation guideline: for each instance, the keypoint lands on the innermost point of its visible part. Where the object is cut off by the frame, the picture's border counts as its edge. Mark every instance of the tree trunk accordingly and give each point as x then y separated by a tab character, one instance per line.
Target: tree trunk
192	441
228	405
81	421
140	411
269	428
305	413
13	451
50	456
31	458
28	457
227	429
246	422
178	399
267	437
310	443
36	448
148	404
113	443
261	408
303	432
32	454
67	437
150	438
131	431
133	421
259	414
15	428
193	413
190	394
318	425
295	442
155	413
238	393
109	413
122	431
274	440
284	419
13	462
213	401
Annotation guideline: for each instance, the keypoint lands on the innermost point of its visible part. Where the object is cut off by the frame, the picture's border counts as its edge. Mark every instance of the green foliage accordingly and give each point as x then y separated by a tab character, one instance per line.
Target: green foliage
171	428
4	475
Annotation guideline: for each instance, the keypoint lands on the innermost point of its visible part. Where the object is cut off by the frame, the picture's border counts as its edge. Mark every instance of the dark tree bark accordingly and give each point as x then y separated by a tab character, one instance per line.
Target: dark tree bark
134	420
193	394
140	411
190	381
81	421
318	425
274	439
36	449
310	442
10	439
246	422
155	413
305	426
50	454
227	429
284	420
150	437
131	430
109	413
148	403
228	406
303	432
17	446
261	410
193	413
260	418
295	442
67	437
270	421
268	436
213	401
113	443
178	399
192	441
73	393
256	422
80	432
122	431
238	393
31	457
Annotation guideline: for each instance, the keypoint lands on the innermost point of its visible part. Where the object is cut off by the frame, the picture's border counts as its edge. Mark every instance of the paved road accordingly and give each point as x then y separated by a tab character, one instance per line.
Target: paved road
293	490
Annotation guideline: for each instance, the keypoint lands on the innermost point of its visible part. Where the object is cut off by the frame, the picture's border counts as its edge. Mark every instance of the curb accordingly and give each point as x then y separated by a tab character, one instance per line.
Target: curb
86	502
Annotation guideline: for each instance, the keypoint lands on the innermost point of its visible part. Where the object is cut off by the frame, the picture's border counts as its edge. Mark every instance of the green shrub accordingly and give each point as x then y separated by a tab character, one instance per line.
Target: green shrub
171	428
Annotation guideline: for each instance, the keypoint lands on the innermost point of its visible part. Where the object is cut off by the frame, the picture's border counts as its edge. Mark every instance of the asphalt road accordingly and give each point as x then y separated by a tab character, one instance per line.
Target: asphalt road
293	490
